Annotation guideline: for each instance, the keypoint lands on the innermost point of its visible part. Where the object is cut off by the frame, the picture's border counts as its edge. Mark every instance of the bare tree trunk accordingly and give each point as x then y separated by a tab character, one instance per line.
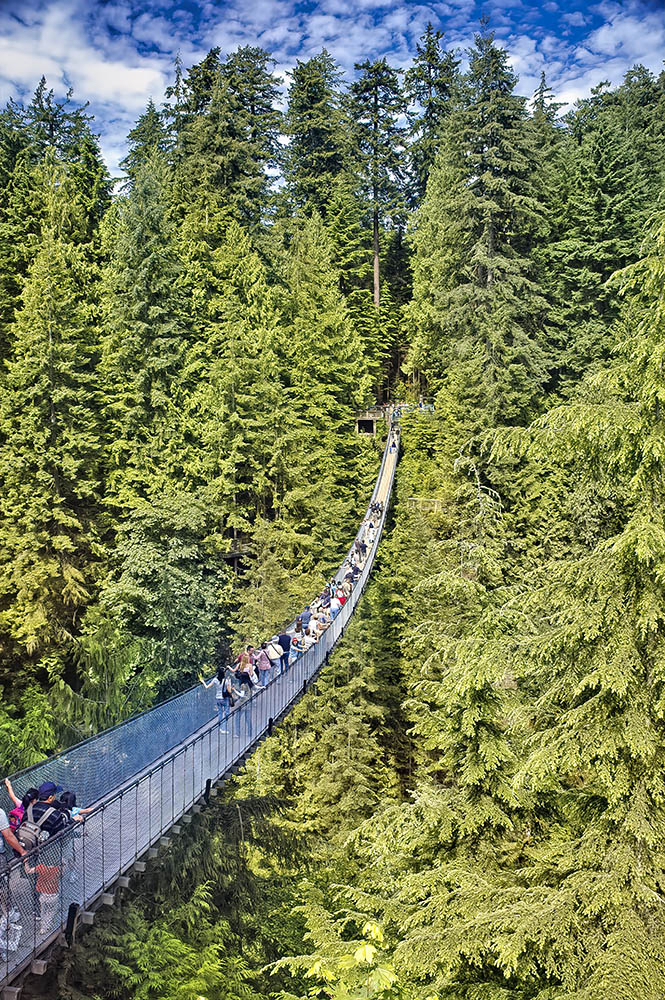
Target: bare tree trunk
377	290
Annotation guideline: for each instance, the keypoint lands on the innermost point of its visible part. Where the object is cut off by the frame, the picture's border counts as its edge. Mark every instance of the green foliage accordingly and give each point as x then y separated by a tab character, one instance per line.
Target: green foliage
346	968
149	136
227	132
318	151
469	802
611	180
484	308
230	385
28	729
144	342
376	104
431	84
183	955
158	619
50	471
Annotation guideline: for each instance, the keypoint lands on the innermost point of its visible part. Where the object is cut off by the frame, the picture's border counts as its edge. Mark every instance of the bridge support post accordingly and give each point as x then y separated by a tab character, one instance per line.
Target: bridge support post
206	794
72	922
270	725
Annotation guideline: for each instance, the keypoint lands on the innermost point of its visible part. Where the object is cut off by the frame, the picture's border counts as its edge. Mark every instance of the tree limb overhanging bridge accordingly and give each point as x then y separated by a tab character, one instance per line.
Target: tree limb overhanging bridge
145	778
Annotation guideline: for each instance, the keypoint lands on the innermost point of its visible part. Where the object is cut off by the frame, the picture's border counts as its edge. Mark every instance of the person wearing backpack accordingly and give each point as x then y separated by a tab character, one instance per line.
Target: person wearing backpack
42	818
262	663
8	842
20	805
275	653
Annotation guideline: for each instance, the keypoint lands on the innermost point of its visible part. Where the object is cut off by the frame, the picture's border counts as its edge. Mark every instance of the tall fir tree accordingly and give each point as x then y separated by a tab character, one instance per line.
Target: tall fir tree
325	382
376	104
611	183
430	84
148	136
318	151
476	292
251	81
145	340
231	382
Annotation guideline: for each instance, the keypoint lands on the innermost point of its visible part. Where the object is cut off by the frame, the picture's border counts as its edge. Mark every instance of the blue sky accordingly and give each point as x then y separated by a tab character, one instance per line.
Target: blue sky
119	53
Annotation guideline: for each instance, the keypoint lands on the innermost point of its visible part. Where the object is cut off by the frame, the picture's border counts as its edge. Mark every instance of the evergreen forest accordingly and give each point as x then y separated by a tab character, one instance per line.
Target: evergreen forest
471	804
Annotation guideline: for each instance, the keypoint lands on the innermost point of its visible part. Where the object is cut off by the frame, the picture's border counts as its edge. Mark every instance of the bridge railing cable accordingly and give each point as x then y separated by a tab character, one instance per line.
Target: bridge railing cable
144	776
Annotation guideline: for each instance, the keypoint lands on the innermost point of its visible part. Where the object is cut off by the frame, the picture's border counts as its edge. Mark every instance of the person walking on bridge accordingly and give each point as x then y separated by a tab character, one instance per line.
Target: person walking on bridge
44	814
275	653
224	694
8	842
284	640
262	661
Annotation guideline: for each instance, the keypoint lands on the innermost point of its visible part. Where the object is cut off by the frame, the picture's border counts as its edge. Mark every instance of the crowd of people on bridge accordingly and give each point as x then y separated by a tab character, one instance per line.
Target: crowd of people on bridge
254	667
37	816
42	813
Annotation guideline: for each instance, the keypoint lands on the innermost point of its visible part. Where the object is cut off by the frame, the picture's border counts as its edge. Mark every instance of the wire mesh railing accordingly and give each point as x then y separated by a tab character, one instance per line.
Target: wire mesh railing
142	777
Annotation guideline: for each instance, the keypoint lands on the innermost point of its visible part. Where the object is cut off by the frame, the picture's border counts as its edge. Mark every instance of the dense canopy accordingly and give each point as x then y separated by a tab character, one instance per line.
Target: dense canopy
471	806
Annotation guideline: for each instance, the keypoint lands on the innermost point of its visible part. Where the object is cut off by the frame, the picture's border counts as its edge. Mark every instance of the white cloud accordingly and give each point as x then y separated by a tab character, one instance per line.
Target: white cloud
575	18
119	53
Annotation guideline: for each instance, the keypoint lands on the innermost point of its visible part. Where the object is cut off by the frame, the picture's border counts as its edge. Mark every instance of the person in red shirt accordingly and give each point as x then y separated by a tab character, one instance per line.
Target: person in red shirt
48	890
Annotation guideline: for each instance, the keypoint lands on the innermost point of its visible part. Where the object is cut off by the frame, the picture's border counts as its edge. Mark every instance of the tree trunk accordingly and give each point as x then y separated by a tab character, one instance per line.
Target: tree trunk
377	291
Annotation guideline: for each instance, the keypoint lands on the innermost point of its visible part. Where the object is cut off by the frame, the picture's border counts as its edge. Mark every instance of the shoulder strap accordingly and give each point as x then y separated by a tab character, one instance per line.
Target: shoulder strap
42	819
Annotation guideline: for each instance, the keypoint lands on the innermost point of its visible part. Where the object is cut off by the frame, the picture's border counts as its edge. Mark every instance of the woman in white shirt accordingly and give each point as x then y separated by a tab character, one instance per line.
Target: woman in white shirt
224	694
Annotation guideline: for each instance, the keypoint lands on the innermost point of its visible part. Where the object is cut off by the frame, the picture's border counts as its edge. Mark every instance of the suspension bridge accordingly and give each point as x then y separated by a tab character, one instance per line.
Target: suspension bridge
144	779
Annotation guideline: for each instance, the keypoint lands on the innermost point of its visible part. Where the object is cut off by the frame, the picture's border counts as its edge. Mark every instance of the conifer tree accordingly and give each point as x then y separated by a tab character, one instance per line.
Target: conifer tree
13	140
145	338
578	909
318	151
325	383
610	190
22	210
376	104
231	385
483	307
211	156
148	136
197	85
230	141
248	73
54	125
431	84
45	128
350	243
